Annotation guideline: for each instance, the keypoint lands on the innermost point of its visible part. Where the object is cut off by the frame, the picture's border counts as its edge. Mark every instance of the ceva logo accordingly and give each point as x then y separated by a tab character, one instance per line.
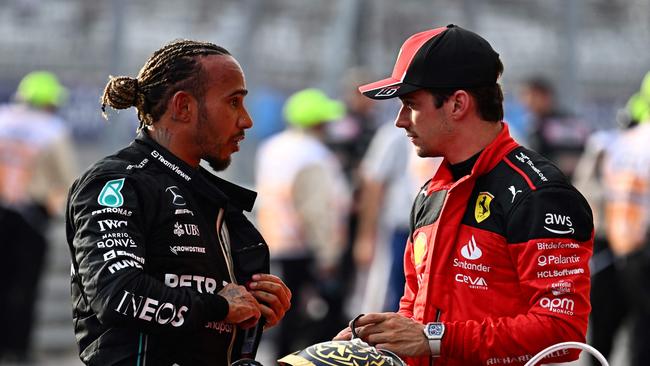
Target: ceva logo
470	250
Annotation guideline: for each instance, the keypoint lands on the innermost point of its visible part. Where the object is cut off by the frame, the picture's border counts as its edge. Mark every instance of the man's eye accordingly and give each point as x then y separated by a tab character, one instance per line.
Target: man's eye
234	103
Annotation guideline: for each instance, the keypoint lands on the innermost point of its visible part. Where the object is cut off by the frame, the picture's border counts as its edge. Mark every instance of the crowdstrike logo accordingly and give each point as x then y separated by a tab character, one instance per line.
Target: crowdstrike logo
186	249
470	250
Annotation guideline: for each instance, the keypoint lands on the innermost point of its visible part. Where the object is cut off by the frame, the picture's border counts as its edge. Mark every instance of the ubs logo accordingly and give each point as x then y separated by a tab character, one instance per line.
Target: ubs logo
177	199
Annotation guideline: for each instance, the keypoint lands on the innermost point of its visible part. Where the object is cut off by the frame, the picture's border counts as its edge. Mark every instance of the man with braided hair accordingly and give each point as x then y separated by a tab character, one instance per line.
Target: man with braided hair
166	268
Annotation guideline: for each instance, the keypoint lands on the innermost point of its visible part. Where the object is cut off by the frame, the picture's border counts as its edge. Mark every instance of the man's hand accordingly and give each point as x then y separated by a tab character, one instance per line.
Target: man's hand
243	309
273	296
390	331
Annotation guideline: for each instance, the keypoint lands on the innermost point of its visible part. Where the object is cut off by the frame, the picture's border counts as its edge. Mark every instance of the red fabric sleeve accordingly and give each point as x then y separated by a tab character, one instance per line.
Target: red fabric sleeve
550	239
559	310
411	287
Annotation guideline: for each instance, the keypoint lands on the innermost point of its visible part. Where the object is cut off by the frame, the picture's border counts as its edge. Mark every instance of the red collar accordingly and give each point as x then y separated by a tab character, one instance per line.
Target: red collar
489	158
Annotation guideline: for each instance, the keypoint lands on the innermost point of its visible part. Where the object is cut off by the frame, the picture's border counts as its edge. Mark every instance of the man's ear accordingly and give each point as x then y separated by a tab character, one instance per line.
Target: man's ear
461	102
183	106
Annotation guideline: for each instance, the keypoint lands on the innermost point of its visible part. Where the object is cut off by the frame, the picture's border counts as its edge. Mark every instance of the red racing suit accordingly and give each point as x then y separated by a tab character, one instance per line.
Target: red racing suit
500	256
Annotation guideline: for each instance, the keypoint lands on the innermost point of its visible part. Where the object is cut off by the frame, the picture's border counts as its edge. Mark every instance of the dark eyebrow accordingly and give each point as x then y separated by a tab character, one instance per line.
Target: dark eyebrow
242	92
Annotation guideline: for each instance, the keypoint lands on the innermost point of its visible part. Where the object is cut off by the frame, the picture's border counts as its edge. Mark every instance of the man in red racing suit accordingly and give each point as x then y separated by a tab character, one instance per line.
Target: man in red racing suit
496	264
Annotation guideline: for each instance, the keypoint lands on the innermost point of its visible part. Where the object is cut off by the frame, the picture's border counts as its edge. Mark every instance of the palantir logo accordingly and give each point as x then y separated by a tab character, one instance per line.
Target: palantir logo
110	196
471	250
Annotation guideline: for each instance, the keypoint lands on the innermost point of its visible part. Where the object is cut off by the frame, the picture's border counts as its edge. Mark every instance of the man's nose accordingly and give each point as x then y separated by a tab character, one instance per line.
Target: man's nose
245	121
403	119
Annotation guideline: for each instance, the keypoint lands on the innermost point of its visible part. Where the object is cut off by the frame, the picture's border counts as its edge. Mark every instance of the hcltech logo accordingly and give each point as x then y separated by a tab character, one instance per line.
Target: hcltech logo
110	195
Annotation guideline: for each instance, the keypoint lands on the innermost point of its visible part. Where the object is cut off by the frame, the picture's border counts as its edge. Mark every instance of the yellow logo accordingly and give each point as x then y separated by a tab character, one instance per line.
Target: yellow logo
482	208
419	248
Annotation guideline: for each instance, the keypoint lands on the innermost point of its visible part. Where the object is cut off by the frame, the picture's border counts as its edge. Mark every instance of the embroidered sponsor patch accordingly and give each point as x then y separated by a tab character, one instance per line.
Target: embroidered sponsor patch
110	195
419	248
482	207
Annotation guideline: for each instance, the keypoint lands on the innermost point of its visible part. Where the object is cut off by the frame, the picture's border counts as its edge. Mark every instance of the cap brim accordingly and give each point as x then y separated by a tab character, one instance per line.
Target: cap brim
387	89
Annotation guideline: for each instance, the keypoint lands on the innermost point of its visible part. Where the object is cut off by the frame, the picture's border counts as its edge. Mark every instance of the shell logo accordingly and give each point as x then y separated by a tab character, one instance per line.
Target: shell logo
419	248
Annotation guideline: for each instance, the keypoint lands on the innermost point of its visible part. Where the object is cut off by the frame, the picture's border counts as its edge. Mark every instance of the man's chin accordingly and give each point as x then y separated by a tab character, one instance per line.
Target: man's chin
219	164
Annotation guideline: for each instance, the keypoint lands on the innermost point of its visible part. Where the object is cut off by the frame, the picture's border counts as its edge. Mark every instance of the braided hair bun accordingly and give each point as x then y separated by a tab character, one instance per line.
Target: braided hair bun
121	92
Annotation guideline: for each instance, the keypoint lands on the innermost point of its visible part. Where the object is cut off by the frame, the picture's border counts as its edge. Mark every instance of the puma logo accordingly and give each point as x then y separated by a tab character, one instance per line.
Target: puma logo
514	192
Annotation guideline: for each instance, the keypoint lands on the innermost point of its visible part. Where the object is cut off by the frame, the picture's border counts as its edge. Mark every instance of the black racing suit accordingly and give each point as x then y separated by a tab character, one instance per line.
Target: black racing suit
153	241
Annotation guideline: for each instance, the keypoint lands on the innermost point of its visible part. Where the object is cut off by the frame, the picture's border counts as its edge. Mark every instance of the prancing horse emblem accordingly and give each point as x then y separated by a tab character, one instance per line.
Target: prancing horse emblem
177	199
482	207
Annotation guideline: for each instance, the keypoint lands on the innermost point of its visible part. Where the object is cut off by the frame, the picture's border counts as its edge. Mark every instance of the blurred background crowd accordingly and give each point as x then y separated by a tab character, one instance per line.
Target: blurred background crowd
574	87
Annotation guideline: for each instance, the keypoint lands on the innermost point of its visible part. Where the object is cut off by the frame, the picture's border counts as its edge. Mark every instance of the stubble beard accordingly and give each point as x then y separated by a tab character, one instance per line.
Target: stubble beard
215	163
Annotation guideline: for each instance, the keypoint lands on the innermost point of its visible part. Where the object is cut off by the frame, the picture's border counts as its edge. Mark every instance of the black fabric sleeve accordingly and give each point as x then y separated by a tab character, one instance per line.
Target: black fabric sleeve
113	278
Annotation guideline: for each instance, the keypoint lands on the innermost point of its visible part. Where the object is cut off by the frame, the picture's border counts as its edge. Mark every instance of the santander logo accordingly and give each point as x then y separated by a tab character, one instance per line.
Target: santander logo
470	250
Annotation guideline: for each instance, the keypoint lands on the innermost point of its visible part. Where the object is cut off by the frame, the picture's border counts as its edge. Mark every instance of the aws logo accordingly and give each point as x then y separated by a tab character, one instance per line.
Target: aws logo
557	219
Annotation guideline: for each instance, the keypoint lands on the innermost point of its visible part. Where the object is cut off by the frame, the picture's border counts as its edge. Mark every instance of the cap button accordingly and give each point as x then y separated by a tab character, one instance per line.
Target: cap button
451	25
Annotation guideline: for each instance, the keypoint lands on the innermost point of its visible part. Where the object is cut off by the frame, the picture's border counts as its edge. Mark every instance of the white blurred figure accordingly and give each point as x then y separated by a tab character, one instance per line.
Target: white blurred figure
302	214
627	215
36	169
391	176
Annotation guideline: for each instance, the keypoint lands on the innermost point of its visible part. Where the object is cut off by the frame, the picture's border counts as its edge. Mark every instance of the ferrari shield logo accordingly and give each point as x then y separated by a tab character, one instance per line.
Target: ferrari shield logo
482	208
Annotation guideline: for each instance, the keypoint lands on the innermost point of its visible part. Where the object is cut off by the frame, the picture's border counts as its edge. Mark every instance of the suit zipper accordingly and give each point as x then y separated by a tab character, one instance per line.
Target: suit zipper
224	242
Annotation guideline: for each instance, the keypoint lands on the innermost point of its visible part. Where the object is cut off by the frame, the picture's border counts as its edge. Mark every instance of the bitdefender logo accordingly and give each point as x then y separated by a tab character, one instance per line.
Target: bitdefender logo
470	250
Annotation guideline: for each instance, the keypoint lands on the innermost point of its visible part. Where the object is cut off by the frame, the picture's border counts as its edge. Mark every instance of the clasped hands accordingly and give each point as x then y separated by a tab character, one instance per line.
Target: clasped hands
264	296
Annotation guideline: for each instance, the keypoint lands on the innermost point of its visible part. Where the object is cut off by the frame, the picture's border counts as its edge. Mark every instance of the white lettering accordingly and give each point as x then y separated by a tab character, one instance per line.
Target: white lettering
557	245
111	224
560	273
116	210
543	260
170	165
552	219
561	306
109	243
480	267
202	284
220	327
387	92
159	313
148	308
186	249
473	282
123	264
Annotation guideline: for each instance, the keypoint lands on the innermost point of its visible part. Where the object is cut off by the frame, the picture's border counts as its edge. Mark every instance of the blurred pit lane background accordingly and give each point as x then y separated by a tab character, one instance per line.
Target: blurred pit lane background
595	52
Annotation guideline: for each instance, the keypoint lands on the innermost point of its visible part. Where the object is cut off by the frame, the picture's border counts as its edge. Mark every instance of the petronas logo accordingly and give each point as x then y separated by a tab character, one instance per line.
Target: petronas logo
110	195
